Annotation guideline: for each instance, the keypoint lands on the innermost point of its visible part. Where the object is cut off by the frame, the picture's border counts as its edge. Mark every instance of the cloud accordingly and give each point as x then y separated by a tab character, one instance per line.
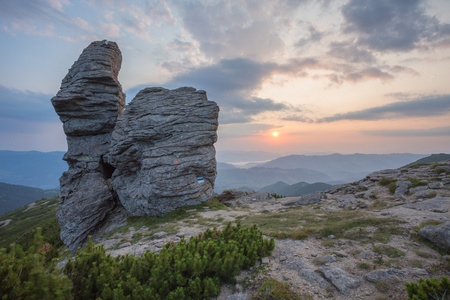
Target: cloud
232	83
351	52
30	11
424	107
429	132
230	29
369	73
387	25
26	106
314	36
179	45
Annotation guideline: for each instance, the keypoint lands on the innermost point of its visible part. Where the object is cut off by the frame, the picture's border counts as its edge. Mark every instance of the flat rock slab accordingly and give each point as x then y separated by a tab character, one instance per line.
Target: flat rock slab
380	275
342	280
314	278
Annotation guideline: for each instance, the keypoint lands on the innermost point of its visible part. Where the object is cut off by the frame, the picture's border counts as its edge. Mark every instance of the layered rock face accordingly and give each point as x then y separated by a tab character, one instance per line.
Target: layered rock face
162	149
88	103
155	157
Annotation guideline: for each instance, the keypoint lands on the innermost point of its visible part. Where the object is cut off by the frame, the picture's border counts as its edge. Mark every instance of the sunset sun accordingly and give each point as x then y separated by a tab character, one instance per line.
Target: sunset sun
275	134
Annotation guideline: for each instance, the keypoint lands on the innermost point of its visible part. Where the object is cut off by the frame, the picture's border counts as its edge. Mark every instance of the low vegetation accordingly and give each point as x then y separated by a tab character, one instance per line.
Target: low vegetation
192	269
23	220
302	223
428	289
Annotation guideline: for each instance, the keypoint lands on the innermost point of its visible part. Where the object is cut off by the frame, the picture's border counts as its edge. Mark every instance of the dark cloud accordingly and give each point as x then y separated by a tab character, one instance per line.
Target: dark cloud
314	36
369	73
428	132
296	118
26	106
386	25
425	107
232	82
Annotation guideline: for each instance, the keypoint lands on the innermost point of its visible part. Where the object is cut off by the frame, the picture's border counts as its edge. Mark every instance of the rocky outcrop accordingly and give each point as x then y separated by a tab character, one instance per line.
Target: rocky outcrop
88	104
162	149
155	157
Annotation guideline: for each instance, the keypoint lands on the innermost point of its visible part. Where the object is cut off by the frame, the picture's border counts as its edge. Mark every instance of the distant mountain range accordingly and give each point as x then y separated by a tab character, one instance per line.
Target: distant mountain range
257	177
32	168
292	169
43	169
14	196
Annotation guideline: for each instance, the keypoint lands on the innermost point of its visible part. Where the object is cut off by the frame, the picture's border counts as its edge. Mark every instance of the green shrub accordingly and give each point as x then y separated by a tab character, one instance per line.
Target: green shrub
276	196
388	250
24	276
430	288
415	183
273	289
386	181
392	187
193	269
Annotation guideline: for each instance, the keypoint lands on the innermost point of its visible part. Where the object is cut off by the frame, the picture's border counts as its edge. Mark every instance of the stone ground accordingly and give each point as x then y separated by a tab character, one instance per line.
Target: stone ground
322	267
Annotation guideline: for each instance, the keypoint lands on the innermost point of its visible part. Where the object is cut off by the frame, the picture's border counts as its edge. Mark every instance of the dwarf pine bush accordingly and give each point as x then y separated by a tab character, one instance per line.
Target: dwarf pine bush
27	274
192	269
430	288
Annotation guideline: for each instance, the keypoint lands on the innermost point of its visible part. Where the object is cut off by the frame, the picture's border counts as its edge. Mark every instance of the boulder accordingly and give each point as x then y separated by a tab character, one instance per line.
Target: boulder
439	234
88	104
148	159
162	151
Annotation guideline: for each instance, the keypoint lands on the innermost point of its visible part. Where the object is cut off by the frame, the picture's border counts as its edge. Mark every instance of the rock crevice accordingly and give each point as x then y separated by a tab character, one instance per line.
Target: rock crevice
152	157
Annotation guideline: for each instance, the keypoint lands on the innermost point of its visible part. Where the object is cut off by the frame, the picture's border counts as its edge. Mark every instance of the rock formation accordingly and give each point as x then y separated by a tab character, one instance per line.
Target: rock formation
162	149
155	157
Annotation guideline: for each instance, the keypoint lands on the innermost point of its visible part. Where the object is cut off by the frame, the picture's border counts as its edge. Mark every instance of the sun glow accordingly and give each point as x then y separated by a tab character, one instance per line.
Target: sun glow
275	134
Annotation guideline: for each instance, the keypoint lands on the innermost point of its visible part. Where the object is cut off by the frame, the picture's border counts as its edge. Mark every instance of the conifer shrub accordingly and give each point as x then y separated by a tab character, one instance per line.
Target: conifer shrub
191	269
27	274
430	288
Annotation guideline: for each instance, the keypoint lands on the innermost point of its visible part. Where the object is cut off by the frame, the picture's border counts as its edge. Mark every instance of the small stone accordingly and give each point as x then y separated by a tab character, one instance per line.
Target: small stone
239	287
124	245
265	260
331	236
340	254
160	234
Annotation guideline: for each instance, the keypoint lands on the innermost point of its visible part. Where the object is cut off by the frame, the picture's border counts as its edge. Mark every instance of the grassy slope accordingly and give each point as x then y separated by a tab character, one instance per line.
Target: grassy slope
23	220
430	159
14	196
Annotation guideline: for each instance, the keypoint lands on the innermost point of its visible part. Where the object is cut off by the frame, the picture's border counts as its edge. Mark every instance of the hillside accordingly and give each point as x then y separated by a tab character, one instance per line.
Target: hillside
433	158
32	168
20	221
15	196
361	240
297	189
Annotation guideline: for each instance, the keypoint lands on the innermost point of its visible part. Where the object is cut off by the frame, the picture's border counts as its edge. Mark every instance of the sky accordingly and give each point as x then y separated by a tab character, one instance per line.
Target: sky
289	76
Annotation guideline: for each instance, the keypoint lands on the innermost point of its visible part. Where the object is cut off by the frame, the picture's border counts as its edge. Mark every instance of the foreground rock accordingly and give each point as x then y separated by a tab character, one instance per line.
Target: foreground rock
88	104
163	152
439	235
155	157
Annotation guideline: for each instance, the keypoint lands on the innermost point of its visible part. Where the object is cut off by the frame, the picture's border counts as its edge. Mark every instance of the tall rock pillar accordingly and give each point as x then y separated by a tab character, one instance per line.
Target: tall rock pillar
88	103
